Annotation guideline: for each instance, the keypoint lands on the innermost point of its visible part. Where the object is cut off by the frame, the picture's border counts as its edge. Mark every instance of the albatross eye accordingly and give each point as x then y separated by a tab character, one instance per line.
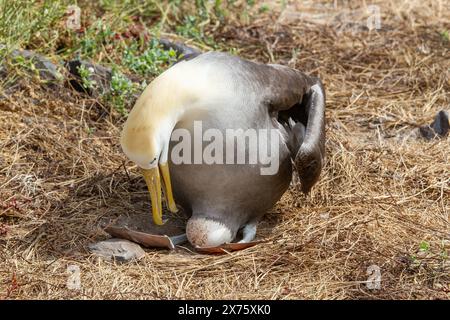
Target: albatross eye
154	159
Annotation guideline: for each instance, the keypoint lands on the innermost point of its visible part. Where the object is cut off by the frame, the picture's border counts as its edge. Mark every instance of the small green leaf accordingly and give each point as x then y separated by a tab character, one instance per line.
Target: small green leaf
424	246
264	8
445	35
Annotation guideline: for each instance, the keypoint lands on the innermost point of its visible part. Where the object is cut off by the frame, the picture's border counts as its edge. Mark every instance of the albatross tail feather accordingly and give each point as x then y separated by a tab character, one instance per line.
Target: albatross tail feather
310	157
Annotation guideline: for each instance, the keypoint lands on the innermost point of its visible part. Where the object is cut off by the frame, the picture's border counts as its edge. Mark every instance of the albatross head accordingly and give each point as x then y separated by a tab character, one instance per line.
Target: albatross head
146	143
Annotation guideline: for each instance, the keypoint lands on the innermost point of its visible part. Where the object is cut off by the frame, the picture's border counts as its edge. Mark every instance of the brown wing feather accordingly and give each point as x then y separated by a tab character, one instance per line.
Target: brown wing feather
301	97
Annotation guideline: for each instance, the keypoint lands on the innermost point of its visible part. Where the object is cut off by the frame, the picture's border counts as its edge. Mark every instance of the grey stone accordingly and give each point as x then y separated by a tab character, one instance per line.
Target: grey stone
117	249
100	75
438	128
440	124
47	69
179	47
3	71
427	132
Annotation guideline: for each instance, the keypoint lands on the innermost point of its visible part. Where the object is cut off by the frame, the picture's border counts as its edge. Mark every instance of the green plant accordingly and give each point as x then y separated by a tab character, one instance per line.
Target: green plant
98	34
86	77
219	11
190	28
424	246
264	8
90	130
445	35
30	22
233	50
24	63
122	90
150	62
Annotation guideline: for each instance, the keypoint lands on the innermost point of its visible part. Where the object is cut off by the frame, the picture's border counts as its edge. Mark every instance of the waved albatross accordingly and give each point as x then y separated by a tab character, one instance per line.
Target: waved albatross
223	92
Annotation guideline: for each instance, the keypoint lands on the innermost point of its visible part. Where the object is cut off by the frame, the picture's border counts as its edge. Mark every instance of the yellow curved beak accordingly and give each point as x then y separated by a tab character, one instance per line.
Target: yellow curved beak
153	180
164	167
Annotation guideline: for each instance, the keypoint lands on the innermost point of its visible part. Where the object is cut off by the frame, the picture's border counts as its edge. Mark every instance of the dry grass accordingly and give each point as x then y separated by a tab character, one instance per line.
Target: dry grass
384	194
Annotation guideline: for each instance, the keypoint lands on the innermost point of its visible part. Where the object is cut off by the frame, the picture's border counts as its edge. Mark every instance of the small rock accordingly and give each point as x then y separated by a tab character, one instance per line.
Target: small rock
438	128
28	120
47	69
117	249
441	124
423	48
100	76
446	244
438	286
325	215
179	47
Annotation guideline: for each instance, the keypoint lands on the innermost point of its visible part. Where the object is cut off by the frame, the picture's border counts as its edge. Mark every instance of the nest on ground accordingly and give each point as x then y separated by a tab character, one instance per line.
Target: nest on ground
380	208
